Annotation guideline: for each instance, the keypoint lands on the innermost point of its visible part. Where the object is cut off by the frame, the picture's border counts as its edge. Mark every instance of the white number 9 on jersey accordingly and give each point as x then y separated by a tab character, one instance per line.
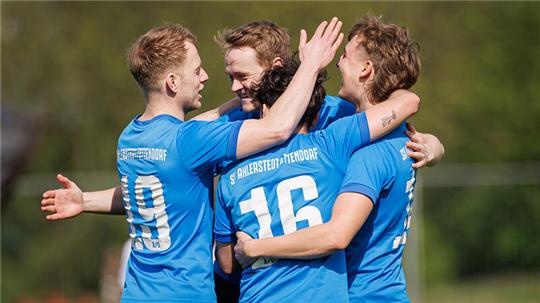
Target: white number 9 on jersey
147	238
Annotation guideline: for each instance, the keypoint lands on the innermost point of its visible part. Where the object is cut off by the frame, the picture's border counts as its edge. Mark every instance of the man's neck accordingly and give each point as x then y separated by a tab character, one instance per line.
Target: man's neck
161	105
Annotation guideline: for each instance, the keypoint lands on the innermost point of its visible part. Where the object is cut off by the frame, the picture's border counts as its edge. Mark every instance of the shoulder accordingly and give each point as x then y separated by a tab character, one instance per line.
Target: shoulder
338	103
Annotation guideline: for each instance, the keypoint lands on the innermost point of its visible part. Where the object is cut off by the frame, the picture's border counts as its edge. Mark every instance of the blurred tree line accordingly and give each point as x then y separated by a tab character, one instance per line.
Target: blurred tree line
479	85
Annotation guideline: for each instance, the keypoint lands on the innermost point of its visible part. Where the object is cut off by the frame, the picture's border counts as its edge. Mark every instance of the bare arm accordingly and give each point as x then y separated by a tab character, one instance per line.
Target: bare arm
425	148
348	215
225	257
285	114
219	111
387	115
70	201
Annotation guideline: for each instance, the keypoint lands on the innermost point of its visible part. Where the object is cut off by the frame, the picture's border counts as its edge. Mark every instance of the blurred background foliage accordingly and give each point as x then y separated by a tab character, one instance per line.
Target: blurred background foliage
65	62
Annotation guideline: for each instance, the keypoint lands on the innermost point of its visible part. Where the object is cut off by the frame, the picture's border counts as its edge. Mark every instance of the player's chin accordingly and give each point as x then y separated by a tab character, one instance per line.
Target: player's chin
247	105
197	103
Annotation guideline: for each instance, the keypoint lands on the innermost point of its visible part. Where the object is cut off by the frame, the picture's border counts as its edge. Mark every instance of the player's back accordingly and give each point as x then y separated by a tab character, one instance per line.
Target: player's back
290	187
375	253
169	214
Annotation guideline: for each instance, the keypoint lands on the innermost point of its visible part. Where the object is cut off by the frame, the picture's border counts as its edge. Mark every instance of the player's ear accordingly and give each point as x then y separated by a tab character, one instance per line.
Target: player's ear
172	82
277	62
367	69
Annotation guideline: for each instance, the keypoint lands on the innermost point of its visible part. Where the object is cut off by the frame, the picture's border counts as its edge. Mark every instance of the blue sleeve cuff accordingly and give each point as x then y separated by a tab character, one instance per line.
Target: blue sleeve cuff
364	129
225	238
361	189
233	140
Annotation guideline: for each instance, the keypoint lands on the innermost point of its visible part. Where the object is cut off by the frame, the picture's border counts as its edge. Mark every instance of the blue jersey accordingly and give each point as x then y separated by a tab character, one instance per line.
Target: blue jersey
383	172
332	109
276	192
166	170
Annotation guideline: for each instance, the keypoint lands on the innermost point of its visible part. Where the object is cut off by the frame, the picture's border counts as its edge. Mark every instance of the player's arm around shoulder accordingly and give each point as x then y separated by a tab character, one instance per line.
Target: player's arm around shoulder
349	213
389	114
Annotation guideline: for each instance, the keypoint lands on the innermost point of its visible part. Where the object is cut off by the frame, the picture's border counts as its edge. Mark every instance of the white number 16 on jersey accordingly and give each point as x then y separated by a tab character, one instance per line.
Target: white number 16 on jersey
259	205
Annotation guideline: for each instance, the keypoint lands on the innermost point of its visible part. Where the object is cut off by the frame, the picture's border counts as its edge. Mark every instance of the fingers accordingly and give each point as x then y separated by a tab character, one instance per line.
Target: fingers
335	31
320	29
337	43
53	217
49	194
415	146
329	30
47	201
411	127
418	156
419	164
64	181
303	38
243	236
49	209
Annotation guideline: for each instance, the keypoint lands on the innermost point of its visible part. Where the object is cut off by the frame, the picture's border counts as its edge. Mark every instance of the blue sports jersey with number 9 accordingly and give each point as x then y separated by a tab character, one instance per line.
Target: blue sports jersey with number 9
276	192
166	169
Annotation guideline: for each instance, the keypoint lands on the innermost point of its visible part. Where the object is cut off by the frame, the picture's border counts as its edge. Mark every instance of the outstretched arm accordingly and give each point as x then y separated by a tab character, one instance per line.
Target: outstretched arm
219	111
425	148
348	215
70	201
285	114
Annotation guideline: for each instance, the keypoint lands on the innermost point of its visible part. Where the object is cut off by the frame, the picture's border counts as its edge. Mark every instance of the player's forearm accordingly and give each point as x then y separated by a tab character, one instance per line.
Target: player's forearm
286	113
436	149
105	201
219	111
313	242
283	117
387	115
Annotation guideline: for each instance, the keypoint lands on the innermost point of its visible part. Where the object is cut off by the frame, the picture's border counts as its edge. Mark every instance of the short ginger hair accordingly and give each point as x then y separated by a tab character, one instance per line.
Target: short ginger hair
159	50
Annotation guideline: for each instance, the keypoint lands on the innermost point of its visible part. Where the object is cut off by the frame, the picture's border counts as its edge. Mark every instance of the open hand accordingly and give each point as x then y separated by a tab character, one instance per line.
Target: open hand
63	203
321	49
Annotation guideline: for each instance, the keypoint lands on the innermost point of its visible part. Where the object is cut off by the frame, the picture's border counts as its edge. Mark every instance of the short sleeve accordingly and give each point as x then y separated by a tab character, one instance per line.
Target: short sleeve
224	230
202	144
343	137
369	172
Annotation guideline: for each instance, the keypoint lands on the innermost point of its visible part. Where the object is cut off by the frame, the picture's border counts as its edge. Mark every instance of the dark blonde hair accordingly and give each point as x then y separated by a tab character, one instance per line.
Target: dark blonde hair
265	37
157	51
393	53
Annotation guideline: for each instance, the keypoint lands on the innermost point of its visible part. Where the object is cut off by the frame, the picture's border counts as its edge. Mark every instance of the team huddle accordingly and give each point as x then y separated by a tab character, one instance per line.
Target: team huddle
314	198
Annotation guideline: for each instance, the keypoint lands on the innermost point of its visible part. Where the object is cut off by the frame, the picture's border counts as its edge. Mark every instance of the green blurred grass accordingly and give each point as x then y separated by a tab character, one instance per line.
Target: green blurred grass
516	287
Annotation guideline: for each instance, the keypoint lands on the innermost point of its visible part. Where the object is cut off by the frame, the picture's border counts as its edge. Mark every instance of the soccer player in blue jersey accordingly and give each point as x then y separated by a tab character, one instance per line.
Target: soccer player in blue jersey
288	188
166	165
372	214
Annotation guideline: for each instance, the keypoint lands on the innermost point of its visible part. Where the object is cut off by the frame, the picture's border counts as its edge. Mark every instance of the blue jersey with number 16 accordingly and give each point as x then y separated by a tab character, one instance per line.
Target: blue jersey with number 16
276	192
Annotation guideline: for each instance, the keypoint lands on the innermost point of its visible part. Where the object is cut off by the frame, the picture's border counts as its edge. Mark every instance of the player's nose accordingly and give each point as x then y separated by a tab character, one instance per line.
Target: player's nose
236	85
